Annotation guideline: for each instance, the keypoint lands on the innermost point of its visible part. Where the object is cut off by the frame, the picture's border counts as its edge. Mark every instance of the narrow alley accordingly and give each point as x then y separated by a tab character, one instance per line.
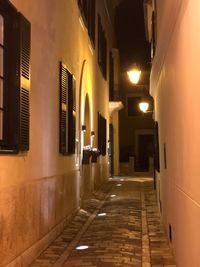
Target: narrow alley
99	133
119	226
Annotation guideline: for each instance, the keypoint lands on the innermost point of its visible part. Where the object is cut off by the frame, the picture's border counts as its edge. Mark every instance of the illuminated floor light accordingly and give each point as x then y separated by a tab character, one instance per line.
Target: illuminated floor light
83	211
82	247
119	185
102	214
112	195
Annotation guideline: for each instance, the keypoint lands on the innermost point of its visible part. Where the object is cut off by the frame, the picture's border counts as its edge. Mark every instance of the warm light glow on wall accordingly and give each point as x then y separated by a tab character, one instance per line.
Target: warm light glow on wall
134	75
144	106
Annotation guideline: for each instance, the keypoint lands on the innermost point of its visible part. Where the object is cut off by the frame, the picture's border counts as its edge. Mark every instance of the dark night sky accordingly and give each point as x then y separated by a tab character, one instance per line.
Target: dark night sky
130	33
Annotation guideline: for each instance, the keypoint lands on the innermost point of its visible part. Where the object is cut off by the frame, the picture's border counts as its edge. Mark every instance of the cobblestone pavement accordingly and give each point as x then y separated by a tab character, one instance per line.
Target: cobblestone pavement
121	226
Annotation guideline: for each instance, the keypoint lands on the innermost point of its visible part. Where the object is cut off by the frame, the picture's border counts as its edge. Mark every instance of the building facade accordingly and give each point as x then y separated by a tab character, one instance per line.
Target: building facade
173	28
136	127
54	116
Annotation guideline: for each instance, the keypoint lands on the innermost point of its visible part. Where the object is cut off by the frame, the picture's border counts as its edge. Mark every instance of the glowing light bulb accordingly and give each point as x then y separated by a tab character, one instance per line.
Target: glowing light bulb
144	106
134	75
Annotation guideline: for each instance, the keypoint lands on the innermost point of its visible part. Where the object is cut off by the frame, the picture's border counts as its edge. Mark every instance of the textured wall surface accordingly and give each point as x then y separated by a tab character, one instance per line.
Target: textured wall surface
175	83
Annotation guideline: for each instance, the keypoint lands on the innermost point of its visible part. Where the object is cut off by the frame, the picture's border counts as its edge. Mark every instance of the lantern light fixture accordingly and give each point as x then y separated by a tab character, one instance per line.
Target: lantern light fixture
134	74
144	106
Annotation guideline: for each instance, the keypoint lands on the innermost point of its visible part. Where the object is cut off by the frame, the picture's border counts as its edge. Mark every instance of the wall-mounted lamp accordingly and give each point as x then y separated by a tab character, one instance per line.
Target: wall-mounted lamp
92	133
134	74
144	106
83	128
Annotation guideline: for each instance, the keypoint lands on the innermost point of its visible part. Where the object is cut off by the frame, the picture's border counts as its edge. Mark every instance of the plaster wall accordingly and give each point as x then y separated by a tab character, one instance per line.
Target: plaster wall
175	83
40	190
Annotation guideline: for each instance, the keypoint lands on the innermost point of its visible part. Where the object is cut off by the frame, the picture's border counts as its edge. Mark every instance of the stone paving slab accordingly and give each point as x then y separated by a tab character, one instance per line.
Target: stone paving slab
130	235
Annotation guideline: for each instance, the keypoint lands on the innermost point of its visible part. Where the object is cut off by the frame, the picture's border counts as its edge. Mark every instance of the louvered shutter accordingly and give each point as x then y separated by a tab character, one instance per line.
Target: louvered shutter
99	133
11	78
67	111
156	147
16	79
71	115
63	109
25	34
104	141
102	135
111	77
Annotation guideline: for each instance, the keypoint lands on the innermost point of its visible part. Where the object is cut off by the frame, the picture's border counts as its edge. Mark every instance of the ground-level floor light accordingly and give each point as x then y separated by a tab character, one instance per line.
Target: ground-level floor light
101	214
83	247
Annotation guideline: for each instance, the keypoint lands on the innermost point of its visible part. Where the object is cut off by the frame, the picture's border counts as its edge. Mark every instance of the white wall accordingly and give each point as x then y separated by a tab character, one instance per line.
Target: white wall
175	84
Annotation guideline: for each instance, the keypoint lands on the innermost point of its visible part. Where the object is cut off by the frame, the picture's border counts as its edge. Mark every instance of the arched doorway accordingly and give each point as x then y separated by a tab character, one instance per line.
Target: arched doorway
87	133
87	178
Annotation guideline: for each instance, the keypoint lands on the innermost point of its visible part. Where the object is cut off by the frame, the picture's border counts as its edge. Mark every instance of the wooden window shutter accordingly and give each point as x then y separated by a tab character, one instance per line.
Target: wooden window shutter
102	49
99	40
153	41
156	147
67	111
17	80
104	141
102	135
104	57
92	20
71	115
111	77
99	132
63	109
24	59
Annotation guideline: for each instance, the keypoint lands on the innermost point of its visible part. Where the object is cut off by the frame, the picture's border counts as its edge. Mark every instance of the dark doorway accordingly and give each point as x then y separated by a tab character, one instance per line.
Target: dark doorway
145	150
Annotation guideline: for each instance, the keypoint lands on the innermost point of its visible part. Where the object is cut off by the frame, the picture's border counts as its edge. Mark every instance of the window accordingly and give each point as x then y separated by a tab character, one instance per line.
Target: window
111	77
102	49
102	134
156	147
84	9
2	78
165	156
153	41
87	9
91	21
67	111
14	79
